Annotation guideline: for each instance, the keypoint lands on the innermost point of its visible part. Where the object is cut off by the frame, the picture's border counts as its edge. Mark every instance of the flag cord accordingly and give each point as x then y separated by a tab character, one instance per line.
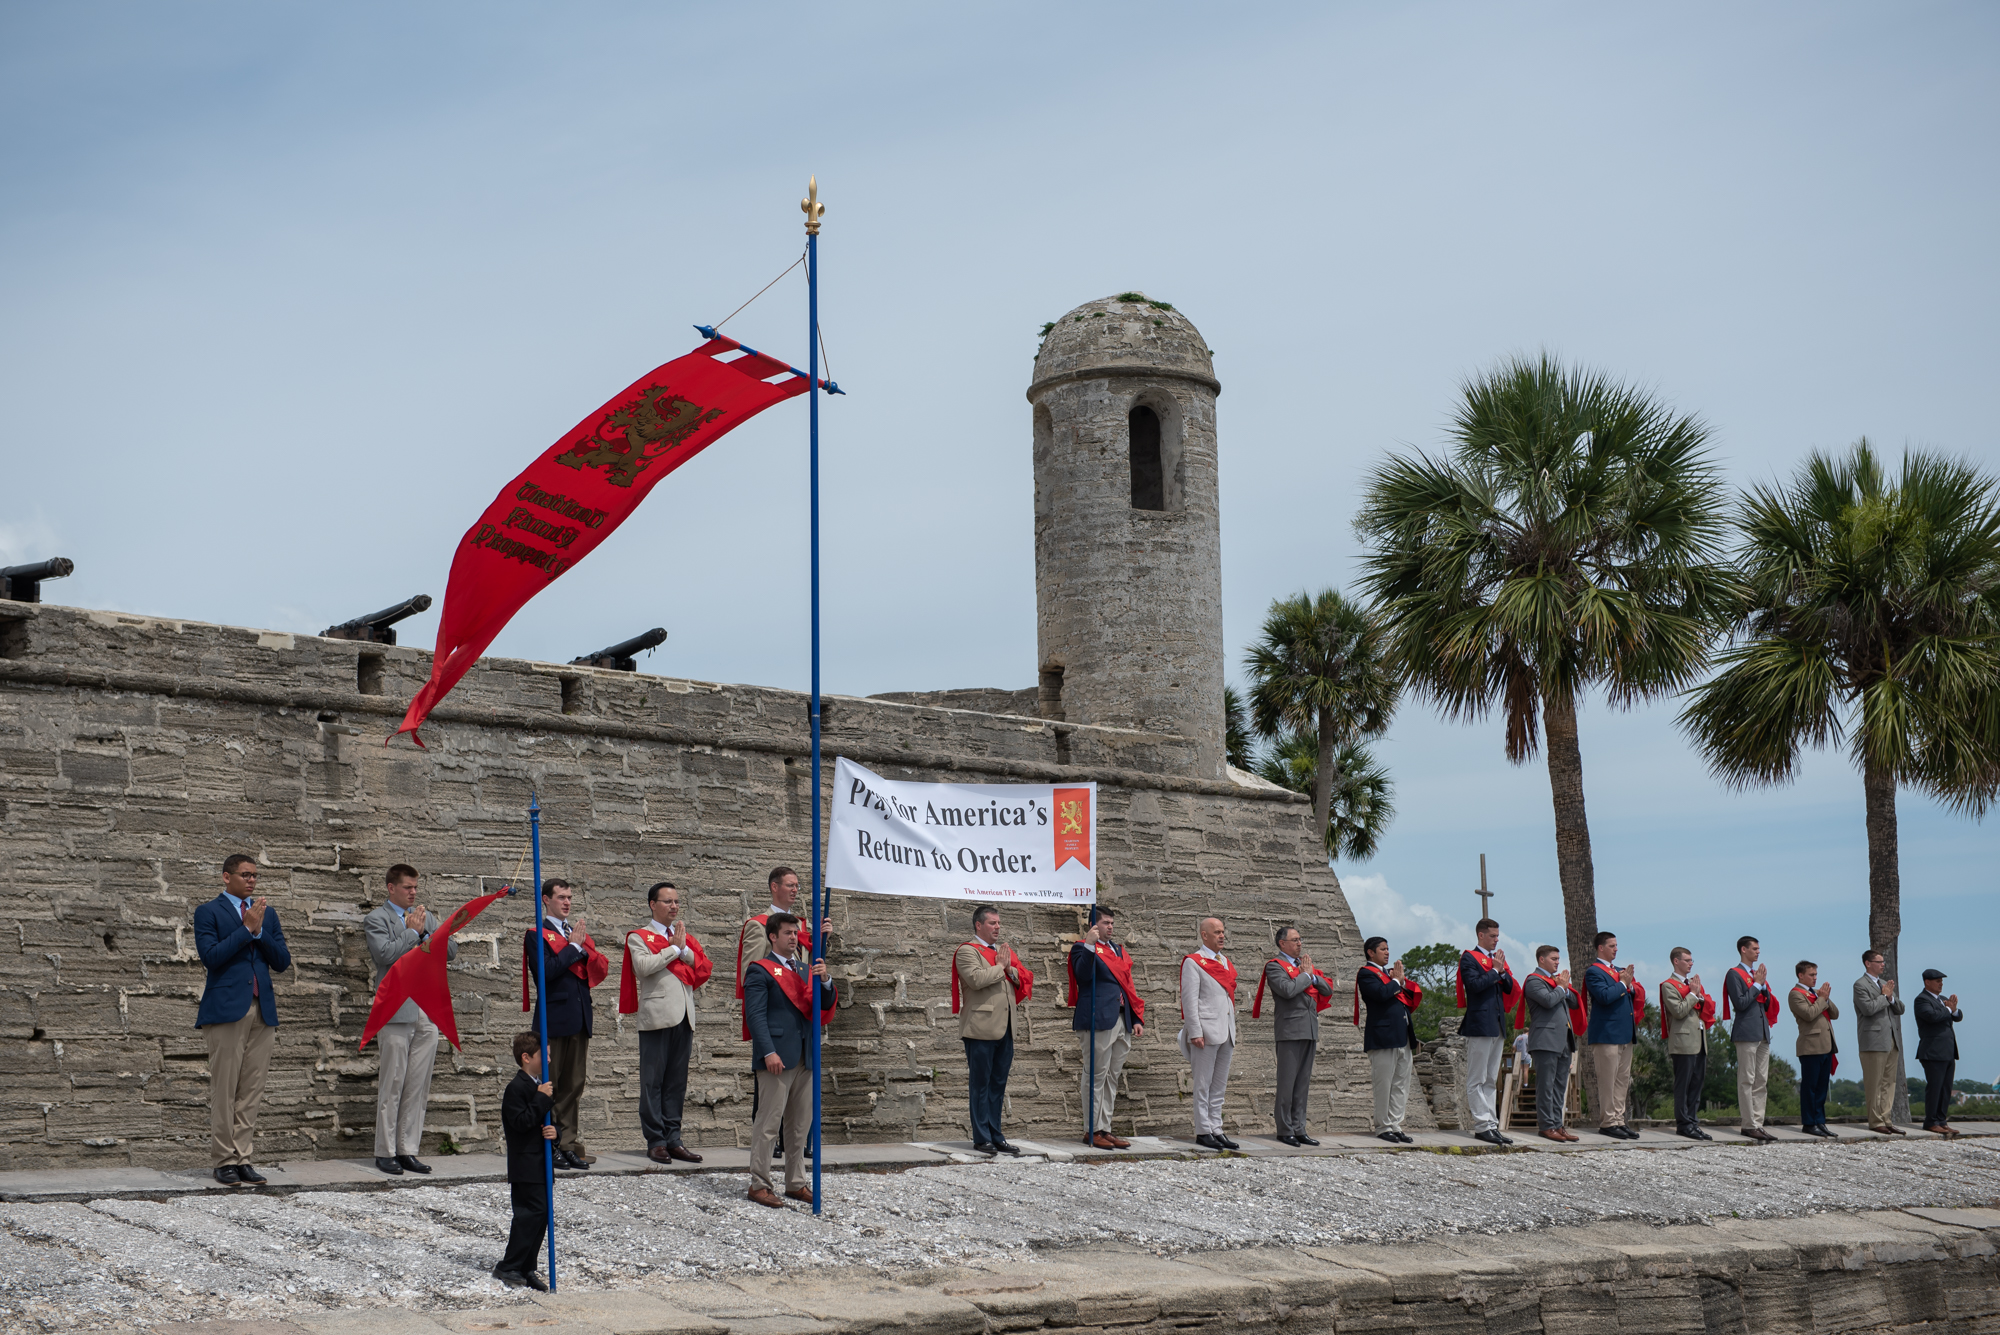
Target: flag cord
760	292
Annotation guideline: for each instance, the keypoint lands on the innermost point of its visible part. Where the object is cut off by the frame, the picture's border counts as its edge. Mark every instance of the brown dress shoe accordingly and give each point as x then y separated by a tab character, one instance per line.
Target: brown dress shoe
659	1154
800	1194
1104	1140
1571	1136
1556	1135
765	1196
1126	1144
683	1153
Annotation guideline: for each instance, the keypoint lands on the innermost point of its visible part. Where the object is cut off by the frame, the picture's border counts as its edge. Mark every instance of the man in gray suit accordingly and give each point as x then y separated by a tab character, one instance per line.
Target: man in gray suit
1553	1008
1878	1020
407	1045
1746	990
1298	991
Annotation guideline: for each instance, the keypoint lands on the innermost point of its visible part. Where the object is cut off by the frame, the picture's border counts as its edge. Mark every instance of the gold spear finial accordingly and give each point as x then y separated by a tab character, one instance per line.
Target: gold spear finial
811	207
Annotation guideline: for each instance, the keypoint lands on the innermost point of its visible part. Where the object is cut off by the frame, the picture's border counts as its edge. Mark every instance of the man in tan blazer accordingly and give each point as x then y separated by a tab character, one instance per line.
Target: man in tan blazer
664	964
988	983
1812	1006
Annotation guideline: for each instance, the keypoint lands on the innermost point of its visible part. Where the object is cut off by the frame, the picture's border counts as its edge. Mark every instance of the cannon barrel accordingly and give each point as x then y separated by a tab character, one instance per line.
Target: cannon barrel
376	627
621	656
23	584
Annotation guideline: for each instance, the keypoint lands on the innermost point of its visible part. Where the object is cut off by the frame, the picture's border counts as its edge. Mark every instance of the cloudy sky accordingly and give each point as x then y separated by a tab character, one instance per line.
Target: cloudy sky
290	290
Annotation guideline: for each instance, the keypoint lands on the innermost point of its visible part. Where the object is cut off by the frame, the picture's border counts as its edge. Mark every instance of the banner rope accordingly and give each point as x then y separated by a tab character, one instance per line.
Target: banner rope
760	292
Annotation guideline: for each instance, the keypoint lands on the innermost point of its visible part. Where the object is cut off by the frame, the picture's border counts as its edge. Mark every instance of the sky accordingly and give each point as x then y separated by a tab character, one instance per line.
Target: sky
308	283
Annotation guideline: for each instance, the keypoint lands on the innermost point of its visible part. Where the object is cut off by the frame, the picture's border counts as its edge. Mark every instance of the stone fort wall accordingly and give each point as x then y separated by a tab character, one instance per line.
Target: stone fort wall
136	752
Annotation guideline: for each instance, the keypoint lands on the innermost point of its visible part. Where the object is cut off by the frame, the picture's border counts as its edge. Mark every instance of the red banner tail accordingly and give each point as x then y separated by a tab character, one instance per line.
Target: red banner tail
419	976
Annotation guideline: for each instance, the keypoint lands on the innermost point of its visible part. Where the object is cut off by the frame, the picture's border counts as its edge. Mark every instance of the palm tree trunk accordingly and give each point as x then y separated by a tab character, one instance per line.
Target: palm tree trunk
1885	897
1573	865
1323	776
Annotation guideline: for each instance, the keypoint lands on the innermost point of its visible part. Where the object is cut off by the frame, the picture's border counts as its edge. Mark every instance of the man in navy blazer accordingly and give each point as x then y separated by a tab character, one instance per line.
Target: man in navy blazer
1612	1029
1105	1018
1489	990
777	1010
566	947
241	945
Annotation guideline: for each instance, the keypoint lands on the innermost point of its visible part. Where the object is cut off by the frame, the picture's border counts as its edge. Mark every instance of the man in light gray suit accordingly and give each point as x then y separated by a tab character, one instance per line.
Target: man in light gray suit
1878	1020
407	1045
1299	991
1555	1011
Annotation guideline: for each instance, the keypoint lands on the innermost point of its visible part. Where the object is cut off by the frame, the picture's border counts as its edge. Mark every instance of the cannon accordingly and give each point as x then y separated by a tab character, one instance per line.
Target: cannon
621	657
23	584
378	627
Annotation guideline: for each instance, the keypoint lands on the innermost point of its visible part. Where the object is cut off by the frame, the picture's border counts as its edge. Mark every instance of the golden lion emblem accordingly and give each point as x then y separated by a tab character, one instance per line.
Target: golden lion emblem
631	437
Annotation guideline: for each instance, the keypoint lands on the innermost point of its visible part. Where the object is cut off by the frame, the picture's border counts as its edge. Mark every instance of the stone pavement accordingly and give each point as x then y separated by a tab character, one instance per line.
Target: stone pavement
941	1247
84	1184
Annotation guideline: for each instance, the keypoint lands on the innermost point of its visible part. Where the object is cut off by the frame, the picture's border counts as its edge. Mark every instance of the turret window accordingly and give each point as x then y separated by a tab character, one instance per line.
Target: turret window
1149	491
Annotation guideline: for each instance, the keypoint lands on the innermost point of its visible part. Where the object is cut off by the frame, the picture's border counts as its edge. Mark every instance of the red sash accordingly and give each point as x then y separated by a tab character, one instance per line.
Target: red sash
991	954
694	975
1638	998
805	944
1485	962
1411	996
1121	970
796	990
1811	995
593	968
1320	1002
1705	1011
1224	975
1577	1024
1770	997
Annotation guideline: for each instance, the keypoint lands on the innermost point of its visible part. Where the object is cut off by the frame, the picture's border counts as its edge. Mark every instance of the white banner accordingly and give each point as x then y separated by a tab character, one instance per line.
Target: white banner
1024	841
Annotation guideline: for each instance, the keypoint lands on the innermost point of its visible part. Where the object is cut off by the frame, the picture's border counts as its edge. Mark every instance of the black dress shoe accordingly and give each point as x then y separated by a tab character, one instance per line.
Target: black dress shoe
1406	1138
1292	1141
1207	1141
1307	1140
1226	1142
245	1173
534	1281
1491	1137
513	1279
226	1175
413	1163
983	1147
390	1166
1687	1134
1006	1147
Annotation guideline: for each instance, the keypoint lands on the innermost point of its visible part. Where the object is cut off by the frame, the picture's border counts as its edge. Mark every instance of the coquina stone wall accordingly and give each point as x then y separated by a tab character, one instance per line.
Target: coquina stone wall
136	752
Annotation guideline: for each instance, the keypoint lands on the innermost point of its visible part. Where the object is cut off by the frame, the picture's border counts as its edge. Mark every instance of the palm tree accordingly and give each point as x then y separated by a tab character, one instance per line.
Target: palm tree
1320	672
1236	741
1568	540
1870	611
1360	799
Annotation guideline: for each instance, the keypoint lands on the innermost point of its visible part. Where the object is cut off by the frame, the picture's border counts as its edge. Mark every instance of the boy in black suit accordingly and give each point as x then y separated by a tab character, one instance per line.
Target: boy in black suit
524	1111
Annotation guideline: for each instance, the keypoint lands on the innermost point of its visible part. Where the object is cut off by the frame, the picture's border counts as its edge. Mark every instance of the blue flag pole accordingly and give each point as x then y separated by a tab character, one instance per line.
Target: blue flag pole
813	209
542	1020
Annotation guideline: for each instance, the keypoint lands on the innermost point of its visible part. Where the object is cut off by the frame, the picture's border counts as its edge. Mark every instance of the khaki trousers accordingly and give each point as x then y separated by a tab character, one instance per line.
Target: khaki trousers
1113	1045
1389	1071
784	1098
408	1054
1878	1086
1753	1074
569	1068
1613	1063
239	1057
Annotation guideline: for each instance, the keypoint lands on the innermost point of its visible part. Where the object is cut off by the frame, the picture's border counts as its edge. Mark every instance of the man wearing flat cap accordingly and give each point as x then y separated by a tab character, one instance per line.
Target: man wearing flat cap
1937	1049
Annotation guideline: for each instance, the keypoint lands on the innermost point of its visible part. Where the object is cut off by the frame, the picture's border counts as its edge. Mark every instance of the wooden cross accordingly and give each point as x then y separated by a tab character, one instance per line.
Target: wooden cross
1485	895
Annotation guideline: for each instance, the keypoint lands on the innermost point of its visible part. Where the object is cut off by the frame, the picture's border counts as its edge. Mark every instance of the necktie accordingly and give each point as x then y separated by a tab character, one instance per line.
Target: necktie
253	958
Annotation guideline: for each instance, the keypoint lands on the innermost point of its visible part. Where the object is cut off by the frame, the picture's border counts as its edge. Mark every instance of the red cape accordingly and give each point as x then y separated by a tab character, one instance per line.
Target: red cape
593	968
1705	1011
796	991
1022	990
1320	1002
1638	998
1485	962
1121	969
1411	996
1770	997
693	974
1577	1024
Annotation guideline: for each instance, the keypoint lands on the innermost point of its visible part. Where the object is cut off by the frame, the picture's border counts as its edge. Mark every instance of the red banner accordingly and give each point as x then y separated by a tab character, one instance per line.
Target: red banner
1072	826
583	487
419	976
